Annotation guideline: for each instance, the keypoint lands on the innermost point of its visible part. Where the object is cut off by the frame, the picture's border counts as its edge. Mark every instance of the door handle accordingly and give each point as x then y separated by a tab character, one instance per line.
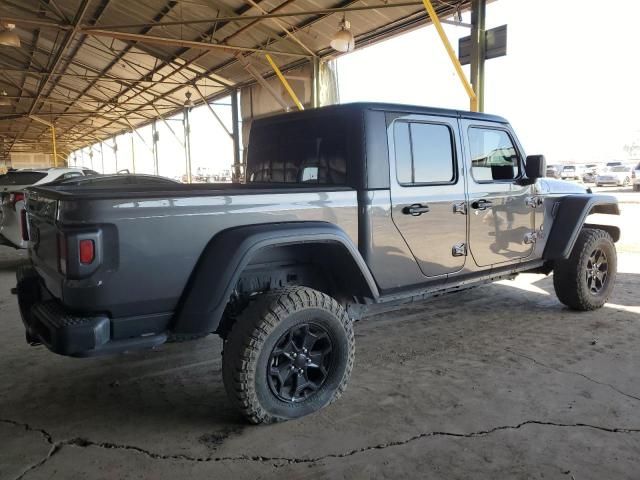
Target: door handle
415	210
482	204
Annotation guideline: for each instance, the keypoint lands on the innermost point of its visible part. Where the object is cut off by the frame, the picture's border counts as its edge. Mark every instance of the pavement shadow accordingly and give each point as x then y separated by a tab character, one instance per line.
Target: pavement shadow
179	387
12	259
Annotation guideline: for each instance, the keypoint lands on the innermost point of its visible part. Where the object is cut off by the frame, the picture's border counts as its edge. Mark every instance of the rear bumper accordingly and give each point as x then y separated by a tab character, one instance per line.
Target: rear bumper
68	333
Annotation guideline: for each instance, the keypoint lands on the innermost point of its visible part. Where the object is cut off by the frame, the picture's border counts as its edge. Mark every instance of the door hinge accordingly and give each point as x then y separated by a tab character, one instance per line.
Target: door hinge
459	250
460	208
531	238
533	202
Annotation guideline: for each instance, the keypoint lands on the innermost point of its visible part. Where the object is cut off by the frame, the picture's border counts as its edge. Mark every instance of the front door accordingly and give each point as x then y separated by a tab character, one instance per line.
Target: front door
501	217
427	190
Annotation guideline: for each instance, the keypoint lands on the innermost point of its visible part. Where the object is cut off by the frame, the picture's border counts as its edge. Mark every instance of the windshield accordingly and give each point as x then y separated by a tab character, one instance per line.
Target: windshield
619	169
21	178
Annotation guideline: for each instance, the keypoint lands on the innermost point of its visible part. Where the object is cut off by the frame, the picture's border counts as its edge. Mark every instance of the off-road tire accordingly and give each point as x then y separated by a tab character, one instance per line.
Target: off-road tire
570	278
253	337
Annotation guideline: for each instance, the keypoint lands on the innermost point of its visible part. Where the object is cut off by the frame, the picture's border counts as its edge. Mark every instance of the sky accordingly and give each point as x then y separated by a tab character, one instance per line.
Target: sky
569	83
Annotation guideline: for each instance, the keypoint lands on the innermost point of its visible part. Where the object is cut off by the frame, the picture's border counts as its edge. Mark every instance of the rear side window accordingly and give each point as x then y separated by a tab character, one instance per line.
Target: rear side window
424	153
21	178
493	155
309	151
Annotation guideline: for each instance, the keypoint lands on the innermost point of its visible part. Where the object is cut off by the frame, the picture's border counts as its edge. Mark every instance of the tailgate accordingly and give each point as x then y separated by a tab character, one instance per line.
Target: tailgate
43	233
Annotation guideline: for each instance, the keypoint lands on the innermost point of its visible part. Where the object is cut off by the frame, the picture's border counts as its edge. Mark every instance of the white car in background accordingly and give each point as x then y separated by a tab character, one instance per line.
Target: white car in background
618	175
573	172
12	208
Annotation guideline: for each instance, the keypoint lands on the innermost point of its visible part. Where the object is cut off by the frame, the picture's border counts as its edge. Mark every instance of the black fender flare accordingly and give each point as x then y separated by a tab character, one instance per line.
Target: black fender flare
570	216
227	254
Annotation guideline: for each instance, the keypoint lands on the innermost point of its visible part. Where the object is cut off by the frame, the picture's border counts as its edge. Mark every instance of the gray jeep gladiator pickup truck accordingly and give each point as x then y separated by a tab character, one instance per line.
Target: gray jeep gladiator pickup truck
344	208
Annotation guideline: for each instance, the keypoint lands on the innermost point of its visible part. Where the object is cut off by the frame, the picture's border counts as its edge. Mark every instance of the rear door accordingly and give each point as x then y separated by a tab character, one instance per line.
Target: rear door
501	213
428	190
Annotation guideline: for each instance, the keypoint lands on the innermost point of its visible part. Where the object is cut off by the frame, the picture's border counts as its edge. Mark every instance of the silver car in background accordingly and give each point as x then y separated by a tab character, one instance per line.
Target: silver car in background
12	208
618	175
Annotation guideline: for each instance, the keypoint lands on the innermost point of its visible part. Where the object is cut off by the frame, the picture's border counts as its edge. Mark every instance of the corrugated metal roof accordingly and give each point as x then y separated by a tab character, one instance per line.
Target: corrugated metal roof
92	86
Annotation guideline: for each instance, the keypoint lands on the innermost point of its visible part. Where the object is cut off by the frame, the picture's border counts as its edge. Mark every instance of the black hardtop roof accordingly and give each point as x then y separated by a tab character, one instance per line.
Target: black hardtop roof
347	108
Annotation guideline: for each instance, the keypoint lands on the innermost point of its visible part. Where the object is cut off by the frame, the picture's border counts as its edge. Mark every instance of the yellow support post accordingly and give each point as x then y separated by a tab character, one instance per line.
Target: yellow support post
53	136
473	99
55	150
287	87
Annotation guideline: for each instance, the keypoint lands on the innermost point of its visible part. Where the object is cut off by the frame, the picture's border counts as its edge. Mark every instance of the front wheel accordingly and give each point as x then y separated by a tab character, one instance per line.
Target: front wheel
585	280
627	182
289	354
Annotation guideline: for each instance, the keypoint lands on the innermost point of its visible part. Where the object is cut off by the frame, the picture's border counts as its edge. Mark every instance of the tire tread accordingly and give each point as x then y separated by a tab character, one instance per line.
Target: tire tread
251	330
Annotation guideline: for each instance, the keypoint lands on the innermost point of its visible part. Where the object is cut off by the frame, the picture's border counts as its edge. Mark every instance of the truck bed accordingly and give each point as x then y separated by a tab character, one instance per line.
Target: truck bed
150	238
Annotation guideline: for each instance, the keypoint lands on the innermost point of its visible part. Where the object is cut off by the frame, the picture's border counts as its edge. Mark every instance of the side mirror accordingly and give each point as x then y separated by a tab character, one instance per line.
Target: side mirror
535	168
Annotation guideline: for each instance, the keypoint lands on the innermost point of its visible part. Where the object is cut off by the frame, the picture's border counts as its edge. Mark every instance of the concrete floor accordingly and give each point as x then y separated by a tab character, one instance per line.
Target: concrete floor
497	382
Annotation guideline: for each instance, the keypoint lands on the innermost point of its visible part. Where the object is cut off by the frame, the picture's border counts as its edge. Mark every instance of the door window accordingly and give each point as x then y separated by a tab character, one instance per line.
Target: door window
424	153
493	155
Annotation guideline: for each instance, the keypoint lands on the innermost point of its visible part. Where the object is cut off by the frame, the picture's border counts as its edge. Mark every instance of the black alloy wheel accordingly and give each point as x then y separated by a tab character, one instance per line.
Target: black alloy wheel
300	362
597	271
290	353
585	280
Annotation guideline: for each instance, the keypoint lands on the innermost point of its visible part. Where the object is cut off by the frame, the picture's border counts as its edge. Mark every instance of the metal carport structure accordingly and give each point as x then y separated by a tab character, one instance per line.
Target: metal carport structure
95	68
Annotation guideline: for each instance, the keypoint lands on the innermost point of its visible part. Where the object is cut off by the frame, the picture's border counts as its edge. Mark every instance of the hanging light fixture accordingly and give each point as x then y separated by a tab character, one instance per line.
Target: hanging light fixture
4	102
8	37
343	40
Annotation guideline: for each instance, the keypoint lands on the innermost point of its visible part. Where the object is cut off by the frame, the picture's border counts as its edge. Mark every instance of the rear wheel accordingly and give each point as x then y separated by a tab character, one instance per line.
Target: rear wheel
627	182
289	354
585	280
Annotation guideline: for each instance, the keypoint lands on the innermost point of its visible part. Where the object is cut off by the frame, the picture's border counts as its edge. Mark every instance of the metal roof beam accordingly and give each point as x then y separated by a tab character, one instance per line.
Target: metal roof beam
273	14
58	55
174	42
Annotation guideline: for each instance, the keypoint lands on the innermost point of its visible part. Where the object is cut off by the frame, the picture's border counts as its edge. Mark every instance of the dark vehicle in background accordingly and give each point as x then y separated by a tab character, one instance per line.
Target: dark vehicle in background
590	172
115	180
346	209
553	171
635	175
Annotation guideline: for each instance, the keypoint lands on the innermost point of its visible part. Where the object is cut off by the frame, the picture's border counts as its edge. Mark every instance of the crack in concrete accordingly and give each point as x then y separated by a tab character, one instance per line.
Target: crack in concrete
278	462
571	372
46	435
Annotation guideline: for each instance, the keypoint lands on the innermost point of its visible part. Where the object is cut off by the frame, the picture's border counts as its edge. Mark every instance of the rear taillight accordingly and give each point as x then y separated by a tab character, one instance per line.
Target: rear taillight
24	227
15	198
62	253
87	251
